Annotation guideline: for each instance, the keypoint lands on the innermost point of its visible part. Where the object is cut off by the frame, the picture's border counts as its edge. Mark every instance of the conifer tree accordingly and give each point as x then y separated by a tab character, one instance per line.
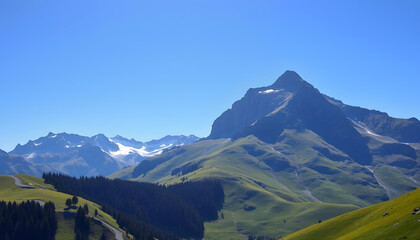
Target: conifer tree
86	208
74	200
68	202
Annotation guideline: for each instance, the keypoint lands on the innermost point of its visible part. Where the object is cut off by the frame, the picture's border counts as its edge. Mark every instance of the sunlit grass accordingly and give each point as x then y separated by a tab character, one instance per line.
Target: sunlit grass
369	223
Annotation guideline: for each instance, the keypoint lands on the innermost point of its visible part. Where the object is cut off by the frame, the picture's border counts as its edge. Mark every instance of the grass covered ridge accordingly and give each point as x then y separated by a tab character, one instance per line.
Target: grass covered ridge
369	223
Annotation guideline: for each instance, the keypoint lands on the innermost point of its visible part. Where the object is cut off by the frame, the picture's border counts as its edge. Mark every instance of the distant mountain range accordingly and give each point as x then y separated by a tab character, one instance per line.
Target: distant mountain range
288	154
78	155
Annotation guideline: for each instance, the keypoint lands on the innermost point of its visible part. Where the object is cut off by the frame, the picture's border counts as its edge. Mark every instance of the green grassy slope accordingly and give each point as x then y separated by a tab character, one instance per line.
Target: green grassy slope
274	189
369	223
124	173
45	192
249	209
289	168
267	190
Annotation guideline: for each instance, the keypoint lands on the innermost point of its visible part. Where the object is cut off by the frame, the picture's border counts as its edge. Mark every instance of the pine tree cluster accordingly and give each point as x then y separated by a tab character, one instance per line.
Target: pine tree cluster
27	220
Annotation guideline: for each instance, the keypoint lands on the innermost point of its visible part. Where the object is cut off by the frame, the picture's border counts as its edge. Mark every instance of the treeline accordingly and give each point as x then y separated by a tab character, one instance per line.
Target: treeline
145	209
27	220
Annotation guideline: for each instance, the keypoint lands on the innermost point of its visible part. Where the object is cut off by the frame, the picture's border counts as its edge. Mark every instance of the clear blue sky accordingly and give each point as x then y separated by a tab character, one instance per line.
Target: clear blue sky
145	69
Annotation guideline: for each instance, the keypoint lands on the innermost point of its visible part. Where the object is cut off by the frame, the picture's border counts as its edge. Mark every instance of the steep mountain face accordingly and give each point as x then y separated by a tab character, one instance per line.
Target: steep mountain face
257	103
287	153
403	130
294	104
89	156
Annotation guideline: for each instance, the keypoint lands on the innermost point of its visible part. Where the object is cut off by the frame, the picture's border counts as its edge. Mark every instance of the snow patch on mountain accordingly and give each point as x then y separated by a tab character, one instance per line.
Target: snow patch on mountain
268	91
131	152
125	150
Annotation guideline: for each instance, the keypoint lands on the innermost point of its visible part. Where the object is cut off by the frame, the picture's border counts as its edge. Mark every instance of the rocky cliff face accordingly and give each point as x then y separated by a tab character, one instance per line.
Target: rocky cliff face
291	103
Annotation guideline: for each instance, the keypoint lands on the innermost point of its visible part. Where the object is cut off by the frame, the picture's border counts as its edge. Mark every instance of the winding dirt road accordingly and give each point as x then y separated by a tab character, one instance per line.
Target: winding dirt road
19	183
118	234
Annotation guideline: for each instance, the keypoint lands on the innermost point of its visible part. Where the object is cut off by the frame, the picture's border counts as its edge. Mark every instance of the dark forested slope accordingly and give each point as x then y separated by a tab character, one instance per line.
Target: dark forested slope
147	209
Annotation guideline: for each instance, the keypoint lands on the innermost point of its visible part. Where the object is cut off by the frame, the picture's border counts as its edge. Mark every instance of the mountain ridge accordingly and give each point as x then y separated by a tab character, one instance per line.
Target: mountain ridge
78	155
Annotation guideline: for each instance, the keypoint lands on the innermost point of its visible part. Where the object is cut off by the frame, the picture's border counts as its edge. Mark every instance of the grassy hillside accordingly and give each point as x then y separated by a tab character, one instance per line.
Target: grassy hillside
293	168
369	223
276	189
249	209
45	192
268	192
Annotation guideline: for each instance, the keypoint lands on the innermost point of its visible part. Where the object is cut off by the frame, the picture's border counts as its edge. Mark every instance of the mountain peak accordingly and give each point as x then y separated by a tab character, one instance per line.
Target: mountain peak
99	136
290	80
50	134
